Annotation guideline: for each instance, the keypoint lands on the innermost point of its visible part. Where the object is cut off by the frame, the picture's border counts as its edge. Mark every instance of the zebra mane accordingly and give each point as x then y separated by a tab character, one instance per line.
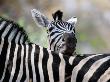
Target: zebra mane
17	27
57	15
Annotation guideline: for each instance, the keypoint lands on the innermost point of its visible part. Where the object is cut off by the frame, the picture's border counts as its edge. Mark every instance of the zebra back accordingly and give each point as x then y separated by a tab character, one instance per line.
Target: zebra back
12	32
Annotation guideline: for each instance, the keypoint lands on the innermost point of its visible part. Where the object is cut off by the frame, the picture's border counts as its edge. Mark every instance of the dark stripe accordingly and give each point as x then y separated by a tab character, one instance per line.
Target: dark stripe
100	71
61	23
70	26
29	62
56	25
24	67
12	50
3	58
36	59
77	59
68	69
53	40
50	29
44	64
18	62
7	75
87	66
10	64
65	24
61	28
108	80
53	33
55	66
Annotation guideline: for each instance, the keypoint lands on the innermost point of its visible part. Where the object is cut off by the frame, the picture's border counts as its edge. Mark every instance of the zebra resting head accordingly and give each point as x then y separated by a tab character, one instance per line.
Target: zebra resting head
61	34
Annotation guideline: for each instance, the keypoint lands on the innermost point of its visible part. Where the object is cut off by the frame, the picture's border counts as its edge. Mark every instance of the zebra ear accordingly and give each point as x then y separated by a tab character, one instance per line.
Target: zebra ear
72	20
57	15
39	18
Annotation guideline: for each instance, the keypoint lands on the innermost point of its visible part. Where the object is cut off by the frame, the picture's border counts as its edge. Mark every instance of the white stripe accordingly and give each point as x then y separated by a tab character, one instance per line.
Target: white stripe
6	30
21	39
62	69
21	65
14	63
79	66
26	63
53	44
12	34
1	45
32	63
52	37
49	67
71	59
67	28
40	64
6	62
93	68
105	77
17	37
2	25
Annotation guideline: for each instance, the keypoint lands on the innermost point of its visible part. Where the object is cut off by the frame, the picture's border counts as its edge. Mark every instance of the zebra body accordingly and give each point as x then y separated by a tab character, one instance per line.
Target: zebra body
94	68
21	60
61	34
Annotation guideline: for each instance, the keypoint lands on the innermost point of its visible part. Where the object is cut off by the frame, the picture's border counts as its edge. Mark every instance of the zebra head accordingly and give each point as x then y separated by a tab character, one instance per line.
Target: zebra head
61	34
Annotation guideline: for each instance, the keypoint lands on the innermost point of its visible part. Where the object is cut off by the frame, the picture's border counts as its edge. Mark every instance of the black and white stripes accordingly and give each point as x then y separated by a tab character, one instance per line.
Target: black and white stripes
22	61
56	34
91	68
61	34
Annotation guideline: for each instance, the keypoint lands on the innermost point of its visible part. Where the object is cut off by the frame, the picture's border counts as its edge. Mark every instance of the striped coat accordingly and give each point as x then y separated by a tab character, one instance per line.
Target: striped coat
21	60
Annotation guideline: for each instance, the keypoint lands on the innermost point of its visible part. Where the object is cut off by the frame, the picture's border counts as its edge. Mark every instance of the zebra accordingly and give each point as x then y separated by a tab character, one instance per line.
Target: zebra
21	60
61	34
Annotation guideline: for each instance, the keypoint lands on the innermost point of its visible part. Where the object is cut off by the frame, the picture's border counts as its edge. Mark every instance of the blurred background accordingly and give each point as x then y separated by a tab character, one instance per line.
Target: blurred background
92	29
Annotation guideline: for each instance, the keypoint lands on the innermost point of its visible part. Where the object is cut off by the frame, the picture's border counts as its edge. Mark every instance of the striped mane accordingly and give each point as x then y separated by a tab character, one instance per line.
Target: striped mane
14	29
